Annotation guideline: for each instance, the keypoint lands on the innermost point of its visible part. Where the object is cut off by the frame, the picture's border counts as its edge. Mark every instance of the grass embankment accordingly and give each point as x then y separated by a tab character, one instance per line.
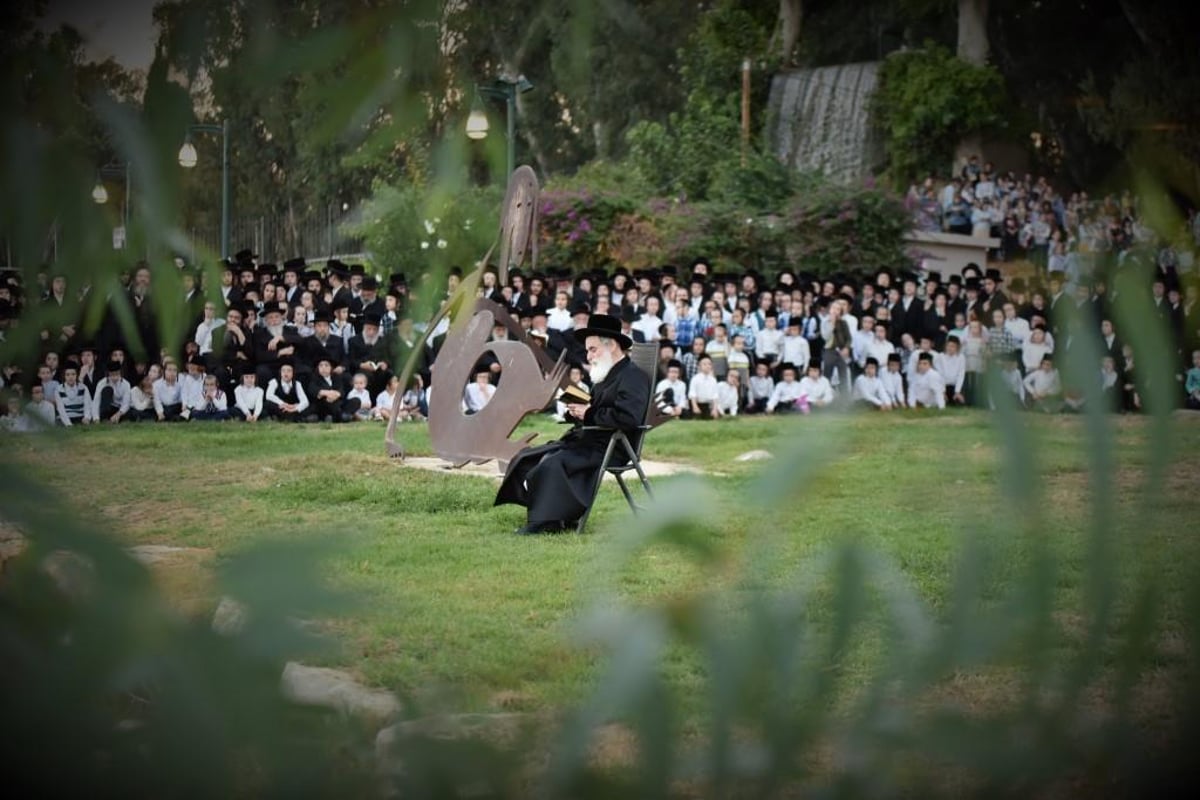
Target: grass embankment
451	598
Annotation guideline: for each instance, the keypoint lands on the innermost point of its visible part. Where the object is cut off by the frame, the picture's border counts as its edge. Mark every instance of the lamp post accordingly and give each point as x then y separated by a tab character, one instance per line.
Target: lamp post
188	159
100	193
505	89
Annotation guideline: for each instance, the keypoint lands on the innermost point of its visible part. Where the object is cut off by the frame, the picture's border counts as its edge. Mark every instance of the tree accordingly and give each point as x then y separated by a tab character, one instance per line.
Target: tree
684	154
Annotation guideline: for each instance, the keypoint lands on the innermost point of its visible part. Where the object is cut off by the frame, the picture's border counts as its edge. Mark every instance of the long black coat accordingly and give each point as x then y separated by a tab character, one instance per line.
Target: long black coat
556	481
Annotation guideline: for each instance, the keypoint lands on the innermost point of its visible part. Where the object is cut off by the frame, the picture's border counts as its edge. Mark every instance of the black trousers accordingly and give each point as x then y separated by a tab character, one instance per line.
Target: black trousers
107	406
173	412
555	482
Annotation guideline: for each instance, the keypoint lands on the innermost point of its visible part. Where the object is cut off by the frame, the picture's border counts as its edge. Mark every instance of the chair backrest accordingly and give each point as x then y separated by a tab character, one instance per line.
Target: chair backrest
644	356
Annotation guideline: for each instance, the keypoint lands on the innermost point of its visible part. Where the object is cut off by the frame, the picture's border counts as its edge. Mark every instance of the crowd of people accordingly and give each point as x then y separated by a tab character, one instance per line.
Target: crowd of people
1076	233
298	343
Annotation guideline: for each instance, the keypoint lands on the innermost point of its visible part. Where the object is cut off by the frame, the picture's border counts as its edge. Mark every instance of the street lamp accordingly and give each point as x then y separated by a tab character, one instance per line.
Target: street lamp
505	89
189	159
100	192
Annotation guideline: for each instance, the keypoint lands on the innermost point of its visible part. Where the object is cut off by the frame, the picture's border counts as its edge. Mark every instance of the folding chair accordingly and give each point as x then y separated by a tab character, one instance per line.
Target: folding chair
644	357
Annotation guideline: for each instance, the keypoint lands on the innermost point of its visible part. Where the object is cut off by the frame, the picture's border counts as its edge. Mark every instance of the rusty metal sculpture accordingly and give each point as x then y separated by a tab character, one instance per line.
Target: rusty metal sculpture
529	377
524	388
533	376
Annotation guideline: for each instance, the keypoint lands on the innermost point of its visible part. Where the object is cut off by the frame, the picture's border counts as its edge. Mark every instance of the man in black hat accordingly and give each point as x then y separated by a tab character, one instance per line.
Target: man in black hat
323	344
273	342
556	481
245	257
292	269
993	281
327	392
371	354
230	292
368	301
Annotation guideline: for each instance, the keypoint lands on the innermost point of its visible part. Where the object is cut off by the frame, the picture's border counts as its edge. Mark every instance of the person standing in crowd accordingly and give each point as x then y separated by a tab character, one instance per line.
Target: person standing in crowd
702	390
952	366
761	387
893	382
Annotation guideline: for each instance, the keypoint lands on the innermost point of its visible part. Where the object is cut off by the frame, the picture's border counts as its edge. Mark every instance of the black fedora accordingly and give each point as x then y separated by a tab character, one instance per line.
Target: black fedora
606	326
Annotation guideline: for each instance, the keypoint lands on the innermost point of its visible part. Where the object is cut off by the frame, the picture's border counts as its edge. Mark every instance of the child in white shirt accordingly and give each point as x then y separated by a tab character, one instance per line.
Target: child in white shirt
360	393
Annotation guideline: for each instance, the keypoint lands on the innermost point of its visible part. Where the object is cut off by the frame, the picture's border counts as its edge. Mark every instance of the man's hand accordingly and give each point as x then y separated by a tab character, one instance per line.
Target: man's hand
578	410
958	398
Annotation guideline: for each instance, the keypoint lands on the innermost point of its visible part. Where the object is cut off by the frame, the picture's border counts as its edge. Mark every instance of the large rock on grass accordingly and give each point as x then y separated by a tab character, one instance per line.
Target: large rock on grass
336	689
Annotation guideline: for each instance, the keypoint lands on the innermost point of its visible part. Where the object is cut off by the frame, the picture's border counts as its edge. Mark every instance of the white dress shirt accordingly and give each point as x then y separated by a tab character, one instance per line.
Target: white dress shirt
703	388
927	389
819	391
871	390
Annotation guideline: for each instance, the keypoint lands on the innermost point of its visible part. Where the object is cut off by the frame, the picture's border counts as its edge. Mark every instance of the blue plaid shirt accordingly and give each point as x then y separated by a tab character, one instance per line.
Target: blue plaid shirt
746	332
685	331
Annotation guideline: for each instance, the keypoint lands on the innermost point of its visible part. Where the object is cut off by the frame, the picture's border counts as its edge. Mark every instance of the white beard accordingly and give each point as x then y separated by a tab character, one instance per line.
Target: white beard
275	330
599	369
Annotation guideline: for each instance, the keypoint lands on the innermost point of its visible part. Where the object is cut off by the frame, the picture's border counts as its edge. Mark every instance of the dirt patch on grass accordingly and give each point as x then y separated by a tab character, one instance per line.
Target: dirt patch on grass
1073	490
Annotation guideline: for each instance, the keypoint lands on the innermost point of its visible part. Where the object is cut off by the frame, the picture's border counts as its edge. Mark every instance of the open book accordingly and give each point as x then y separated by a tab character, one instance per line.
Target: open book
575	394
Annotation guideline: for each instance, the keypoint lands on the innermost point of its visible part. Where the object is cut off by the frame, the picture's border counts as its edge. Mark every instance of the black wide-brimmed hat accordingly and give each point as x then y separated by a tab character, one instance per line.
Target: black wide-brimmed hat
606	326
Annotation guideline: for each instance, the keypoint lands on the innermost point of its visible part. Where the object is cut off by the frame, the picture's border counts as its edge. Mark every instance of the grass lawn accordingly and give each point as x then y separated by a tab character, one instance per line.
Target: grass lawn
450	598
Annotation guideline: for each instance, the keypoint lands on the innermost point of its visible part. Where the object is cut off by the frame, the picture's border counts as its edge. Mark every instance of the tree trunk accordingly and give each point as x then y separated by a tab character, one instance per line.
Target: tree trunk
601	139
791	12
972	48
972	31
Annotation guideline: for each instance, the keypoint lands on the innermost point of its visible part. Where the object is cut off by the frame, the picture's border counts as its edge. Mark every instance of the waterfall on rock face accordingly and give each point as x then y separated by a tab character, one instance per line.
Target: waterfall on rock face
820	121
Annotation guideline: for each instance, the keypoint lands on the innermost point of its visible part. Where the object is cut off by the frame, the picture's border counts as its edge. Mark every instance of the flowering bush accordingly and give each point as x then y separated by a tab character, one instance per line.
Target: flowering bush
838	229
730	235
576	226
827	229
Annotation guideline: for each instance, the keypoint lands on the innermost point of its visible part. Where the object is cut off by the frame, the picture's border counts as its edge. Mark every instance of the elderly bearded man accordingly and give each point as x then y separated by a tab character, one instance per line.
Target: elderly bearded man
555	481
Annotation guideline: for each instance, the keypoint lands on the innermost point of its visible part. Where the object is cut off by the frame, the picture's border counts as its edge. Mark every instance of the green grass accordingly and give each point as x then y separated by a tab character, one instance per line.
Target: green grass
451	599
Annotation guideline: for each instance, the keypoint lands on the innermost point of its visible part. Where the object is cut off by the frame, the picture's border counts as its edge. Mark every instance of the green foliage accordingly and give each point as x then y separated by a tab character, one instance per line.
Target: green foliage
927	100
854	230
685	154
576	225
762	185
109	692
731	236
421	231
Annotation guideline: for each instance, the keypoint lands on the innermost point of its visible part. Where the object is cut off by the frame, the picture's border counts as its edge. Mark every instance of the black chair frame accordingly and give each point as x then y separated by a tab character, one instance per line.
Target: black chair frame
644	357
